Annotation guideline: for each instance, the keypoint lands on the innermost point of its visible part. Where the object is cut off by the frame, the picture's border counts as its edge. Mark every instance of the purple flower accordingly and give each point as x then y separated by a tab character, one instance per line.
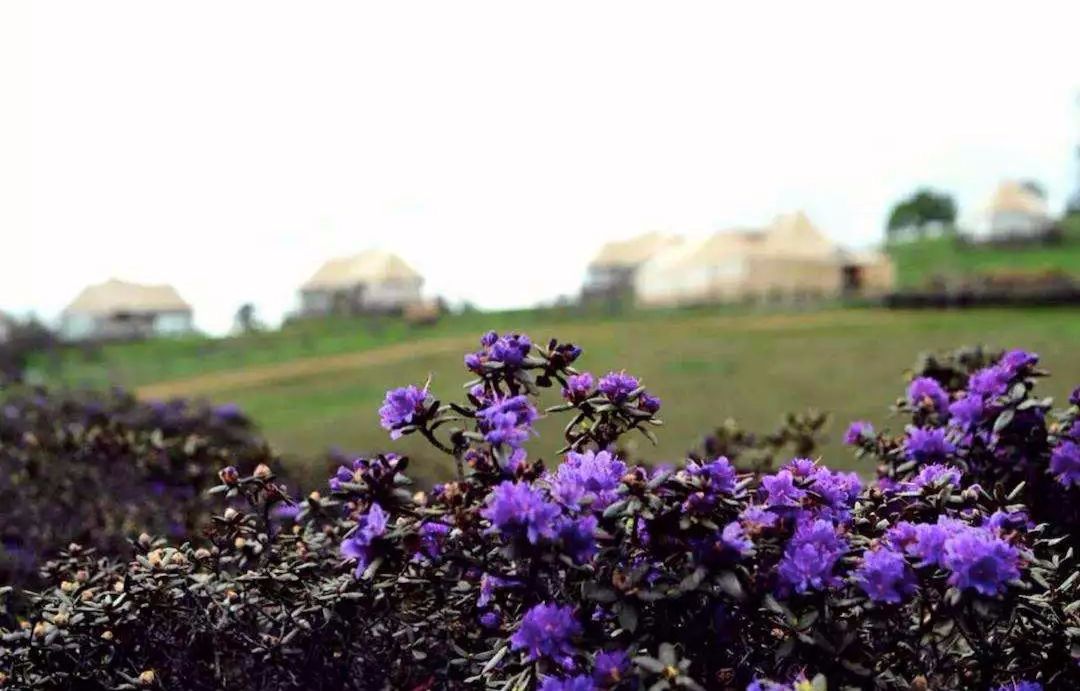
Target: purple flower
610	667
756	519
838	490
710	480
927	392
1020	686
517	509
649	403
578	537
1001	521
885	576
930	539
1016	361
935	473
432	536
488	585
578	387
361	544
977	558
490	620
578	683
589	477
1065	463
966	412
508	421
810	557
990	381
403	407
511	349
618	386
857	431
927	445
1074	397
735	539
801	467
546	631
780	490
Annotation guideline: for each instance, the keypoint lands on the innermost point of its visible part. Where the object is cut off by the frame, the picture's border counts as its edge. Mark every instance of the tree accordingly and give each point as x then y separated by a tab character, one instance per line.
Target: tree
246	321
921	209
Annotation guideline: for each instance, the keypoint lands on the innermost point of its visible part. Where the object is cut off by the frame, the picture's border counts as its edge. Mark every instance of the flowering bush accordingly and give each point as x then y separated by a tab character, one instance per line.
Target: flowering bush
96	469
585	572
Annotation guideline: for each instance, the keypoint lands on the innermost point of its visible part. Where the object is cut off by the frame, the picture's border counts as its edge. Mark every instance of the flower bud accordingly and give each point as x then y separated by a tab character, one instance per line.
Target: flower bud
147	678
262	471
68	586
231	514
229	475
145	540
202	553
106	635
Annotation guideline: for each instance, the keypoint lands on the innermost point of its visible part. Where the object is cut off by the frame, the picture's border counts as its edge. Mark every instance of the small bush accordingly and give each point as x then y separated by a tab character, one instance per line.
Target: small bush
948	572
97	469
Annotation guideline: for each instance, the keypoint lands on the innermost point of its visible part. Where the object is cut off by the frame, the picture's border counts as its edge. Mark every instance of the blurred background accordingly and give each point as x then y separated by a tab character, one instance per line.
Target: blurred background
290	208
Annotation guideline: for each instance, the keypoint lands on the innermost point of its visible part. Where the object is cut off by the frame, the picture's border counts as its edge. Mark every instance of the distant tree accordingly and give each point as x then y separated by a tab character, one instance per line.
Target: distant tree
246	321
24	338
920	210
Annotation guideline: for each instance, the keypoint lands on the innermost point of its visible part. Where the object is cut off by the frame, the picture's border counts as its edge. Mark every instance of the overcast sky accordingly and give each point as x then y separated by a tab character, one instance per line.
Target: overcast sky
229	148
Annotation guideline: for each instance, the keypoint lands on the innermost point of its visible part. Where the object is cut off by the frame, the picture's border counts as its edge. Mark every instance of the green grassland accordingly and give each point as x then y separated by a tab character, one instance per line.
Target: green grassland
705	367
919	261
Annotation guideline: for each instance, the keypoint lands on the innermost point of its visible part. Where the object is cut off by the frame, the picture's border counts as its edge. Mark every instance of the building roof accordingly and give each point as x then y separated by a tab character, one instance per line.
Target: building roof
372	266
632	252
115	295
1012	196
795	235
789	235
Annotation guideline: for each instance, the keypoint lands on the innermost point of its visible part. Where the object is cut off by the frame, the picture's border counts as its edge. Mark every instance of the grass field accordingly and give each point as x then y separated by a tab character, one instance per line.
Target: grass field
917	262
706	366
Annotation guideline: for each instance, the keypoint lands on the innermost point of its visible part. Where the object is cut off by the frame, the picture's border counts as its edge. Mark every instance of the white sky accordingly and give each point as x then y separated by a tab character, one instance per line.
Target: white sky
229	147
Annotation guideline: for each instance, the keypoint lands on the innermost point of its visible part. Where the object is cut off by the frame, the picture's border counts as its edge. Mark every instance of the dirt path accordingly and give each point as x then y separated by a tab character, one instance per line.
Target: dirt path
207	384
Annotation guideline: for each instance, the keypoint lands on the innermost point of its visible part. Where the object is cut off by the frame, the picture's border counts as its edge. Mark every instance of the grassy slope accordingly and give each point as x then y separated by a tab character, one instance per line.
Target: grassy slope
161	360
917	262
706	368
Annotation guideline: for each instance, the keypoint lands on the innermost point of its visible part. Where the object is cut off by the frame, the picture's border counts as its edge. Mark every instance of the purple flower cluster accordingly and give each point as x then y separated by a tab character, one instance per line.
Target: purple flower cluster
927	393
709	481
578	387
362	544
810	557
547	632
928	445
508	351
516	509
858	431
403	407
591	477
976	557
1065	463
508	421
884	575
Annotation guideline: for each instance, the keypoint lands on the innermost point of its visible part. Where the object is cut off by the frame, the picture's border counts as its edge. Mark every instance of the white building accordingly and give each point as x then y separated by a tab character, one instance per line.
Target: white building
611	272
789	259
119	309
1014	211
370	282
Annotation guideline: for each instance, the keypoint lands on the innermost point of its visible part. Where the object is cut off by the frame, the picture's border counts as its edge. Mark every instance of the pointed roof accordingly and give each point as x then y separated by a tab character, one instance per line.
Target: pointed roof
371	266
794	234
1013	196
634	251
115	295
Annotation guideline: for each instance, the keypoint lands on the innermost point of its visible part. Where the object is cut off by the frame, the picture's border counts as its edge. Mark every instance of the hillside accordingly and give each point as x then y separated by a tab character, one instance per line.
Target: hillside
918	261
